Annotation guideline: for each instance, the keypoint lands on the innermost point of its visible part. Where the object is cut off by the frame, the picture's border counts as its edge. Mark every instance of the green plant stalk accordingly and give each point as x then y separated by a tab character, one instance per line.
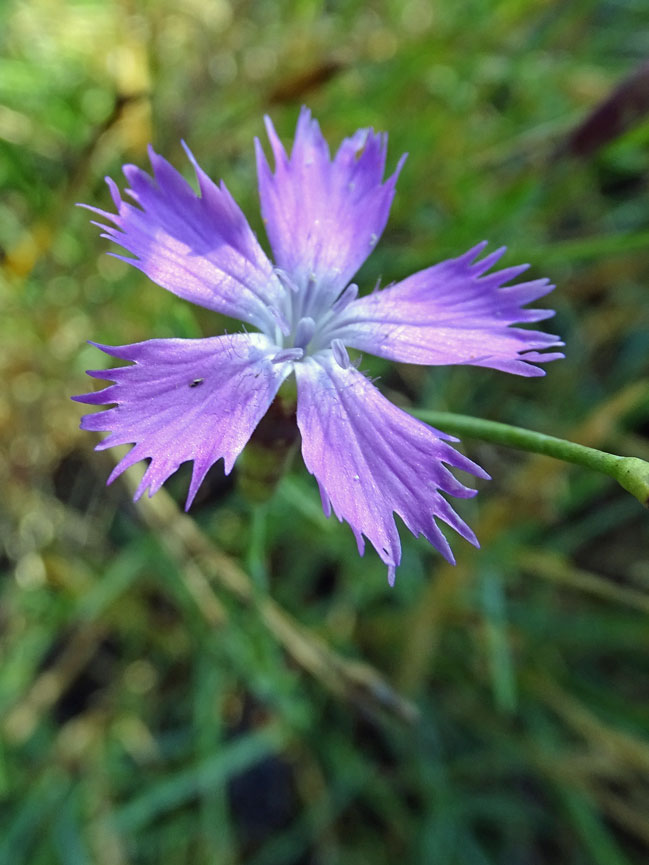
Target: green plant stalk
631	473
256	554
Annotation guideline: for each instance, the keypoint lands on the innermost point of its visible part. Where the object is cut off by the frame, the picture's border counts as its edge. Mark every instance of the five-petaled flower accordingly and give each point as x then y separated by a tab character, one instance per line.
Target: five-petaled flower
201	399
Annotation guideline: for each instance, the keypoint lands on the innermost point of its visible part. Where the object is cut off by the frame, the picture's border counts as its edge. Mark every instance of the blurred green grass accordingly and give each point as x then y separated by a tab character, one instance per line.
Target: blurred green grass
155	707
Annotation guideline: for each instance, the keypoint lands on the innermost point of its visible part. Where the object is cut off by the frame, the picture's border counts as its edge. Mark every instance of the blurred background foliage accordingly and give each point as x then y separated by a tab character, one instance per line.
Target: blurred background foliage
155	705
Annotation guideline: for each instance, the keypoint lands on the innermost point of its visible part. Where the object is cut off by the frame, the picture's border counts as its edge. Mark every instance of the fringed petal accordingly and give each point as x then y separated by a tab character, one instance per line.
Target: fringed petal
324	216
372	460
185	399
200	247
454	313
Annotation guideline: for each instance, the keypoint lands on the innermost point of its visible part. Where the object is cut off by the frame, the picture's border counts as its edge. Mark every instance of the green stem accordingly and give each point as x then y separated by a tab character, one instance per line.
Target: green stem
631	473
256	557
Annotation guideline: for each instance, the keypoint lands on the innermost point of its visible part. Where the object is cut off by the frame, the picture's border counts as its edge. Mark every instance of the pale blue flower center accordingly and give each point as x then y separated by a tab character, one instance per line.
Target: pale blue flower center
304	326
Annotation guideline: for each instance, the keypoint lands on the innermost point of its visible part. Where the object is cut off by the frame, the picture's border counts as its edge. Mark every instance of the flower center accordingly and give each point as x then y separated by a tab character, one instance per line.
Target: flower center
304	332
303	327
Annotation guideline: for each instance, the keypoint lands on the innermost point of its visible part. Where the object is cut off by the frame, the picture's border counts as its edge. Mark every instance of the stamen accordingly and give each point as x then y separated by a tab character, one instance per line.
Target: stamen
280	321
307	294
304	332
287	354
348	295
340	353
286	280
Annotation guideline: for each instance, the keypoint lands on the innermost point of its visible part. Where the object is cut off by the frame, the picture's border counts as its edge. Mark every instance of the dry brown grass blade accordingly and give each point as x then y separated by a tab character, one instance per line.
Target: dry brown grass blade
202	562
625	749
22	719
628	802
618	808
623	108
558	569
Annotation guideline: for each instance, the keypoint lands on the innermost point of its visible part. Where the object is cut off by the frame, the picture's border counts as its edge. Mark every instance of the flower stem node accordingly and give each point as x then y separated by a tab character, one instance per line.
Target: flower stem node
632	474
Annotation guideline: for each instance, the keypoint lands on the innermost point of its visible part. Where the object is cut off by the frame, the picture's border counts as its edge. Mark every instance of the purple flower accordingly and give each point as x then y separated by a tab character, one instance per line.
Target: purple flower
201	399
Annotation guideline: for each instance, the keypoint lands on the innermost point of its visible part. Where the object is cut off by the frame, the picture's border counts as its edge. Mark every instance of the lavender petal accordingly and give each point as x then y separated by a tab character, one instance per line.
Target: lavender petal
324	216
372	460
454	313
200	247
185	399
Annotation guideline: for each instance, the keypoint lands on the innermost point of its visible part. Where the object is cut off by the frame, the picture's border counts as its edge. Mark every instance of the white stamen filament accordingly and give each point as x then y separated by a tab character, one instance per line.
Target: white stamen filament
287	354
340	353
